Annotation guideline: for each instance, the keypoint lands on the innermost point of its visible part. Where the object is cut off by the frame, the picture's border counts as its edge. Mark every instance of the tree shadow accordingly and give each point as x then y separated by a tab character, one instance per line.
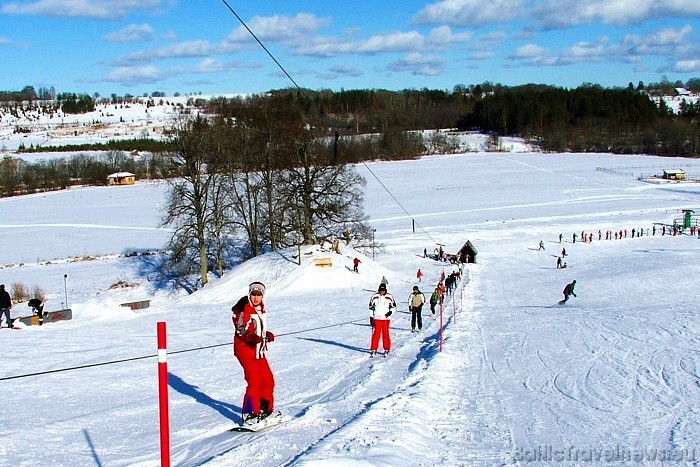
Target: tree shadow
155	269
230	411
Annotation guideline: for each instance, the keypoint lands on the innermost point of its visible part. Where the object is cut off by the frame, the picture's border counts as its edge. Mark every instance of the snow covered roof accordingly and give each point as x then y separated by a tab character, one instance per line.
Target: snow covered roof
121	175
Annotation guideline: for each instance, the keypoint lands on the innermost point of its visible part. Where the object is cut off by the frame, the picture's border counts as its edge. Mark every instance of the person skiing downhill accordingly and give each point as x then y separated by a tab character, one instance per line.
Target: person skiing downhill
568	291
250	341
381	306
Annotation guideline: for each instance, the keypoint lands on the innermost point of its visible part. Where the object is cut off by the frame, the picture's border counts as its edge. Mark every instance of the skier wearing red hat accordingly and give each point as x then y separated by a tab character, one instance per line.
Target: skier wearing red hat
249	346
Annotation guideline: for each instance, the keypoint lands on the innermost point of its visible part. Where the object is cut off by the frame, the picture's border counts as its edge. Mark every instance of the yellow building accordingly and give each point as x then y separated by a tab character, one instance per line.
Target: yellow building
121	178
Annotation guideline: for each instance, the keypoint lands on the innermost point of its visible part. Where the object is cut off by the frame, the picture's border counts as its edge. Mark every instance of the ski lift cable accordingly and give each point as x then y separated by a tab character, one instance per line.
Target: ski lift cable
267	51
175	352
399	203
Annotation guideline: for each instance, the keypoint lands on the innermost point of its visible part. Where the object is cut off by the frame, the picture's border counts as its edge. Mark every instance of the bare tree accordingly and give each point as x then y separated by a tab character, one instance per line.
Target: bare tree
323	197
188	202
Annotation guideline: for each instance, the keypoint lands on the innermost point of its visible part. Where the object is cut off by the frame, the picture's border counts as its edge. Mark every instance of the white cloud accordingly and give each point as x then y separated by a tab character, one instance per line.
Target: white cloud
562	13
667	41
529	51
98	9
346	70
131	33
443	36
418	64
187	49
469	12
134	75
410	41
279	28
210	65
686	66
393	42
5	41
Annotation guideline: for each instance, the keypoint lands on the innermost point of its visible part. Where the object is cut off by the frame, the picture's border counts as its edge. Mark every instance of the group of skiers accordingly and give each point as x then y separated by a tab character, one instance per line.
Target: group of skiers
585	237
252	336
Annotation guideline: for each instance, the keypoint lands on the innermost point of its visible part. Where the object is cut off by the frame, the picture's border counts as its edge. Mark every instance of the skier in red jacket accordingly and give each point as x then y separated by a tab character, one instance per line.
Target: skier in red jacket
250	341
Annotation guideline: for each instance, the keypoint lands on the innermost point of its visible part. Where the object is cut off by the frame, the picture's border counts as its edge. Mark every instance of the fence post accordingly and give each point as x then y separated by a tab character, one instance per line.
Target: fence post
163	396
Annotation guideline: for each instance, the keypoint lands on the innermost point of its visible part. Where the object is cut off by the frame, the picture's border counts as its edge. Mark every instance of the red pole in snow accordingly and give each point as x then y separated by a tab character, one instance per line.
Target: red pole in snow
441	307
163	397
454	310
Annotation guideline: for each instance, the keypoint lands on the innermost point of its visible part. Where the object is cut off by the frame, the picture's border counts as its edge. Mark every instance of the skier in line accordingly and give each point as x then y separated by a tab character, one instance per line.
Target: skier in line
382	306
5	306
249	346
568	291
434	299
415	306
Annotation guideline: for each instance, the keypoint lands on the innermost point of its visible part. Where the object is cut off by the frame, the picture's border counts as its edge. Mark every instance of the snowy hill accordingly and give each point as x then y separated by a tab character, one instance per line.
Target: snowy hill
517	378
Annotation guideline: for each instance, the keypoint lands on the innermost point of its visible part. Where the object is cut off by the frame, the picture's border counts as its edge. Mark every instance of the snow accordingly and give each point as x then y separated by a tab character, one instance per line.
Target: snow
614	372
612	376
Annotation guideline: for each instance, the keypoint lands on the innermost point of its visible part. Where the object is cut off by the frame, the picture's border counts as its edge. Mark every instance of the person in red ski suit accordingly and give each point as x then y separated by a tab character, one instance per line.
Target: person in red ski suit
250	341
381	306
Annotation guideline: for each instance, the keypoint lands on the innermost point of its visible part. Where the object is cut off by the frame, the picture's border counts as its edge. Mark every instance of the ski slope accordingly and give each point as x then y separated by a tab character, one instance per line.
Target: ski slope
615	372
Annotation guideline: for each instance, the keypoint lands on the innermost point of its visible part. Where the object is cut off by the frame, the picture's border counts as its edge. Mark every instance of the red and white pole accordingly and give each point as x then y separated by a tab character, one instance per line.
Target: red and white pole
454	308
163	397
441	308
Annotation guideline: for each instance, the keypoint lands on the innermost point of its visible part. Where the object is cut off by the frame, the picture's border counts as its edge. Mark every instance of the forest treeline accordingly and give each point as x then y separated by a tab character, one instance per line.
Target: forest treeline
360	125
589	118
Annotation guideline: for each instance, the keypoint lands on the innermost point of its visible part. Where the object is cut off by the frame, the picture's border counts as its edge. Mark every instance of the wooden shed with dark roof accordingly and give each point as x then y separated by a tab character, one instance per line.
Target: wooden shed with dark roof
467	254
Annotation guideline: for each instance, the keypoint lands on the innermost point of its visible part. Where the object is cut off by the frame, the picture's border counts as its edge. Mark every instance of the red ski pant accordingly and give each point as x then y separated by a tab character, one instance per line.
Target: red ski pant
261	385
381	329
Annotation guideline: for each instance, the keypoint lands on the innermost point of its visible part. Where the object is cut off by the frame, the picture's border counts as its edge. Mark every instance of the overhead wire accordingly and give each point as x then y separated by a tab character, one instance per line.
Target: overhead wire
175	352
230	8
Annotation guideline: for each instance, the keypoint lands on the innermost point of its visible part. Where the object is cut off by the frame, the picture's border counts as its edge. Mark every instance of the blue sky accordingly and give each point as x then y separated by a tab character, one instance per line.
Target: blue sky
142	46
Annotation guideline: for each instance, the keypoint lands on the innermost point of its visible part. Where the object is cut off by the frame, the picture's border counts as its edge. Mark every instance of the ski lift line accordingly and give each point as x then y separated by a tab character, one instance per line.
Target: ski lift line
397	202
302	91
144	357
262	45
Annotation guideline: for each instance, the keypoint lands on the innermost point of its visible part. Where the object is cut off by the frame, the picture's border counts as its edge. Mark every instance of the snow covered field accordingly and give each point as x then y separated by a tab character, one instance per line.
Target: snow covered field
611	376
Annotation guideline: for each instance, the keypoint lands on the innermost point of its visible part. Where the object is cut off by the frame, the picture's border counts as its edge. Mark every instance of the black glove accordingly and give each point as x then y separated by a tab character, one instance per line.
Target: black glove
573	294
269	336
389	314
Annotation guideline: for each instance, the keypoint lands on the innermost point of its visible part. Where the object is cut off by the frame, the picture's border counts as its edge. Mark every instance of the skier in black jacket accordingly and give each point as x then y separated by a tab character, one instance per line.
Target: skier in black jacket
568	290
5	305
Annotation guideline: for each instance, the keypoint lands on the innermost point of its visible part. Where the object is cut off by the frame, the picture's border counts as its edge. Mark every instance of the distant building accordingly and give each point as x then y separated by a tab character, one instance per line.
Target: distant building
674	174
682	92
121	178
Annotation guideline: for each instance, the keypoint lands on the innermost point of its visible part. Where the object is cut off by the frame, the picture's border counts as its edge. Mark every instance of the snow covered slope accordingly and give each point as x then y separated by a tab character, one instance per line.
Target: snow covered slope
614	372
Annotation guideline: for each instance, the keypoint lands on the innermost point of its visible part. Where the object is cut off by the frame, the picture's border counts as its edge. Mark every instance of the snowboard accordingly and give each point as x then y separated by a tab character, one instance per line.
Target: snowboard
269	422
